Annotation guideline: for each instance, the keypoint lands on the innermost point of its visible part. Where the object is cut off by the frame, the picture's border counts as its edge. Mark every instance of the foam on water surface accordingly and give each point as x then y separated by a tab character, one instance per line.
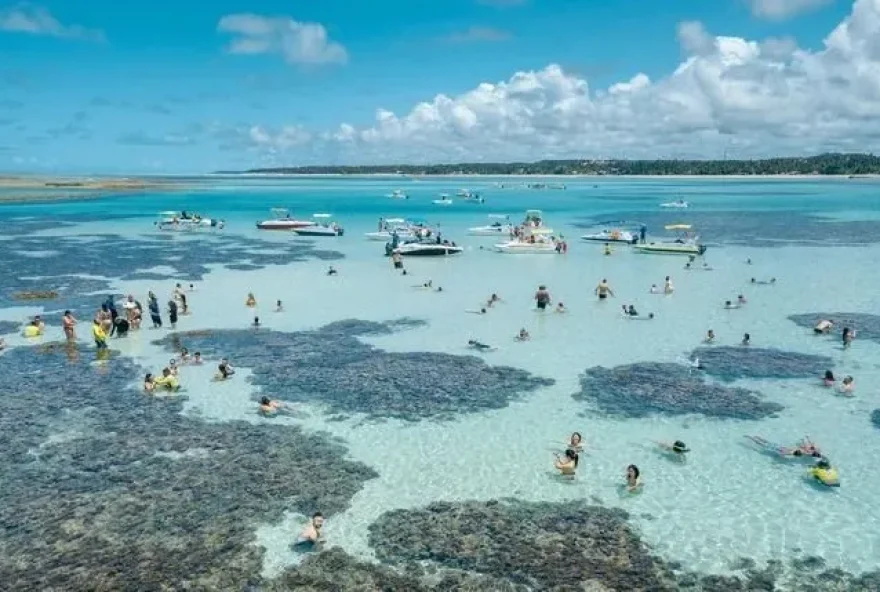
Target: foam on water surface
727	500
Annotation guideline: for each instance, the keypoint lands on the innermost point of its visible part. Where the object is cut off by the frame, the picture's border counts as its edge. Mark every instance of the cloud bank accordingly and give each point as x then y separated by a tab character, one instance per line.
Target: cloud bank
783	9
729	95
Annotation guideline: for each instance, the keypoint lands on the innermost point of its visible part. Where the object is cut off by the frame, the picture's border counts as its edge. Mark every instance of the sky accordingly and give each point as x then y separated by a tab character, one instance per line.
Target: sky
193	87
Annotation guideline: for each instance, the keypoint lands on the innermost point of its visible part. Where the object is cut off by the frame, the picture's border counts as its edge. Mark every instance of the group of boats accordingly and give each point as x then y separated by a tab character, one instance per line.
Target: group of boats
320	225
417	238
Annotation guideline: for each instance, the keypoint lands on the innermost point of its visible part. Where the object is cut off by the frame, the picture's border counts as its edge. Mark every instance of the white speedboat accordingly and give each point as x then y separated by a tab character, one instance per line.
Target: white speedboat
494	229
612	236
425	248
534	223
321	229
183	221
281	220
398	194
540	246
391	226
686	244
679	203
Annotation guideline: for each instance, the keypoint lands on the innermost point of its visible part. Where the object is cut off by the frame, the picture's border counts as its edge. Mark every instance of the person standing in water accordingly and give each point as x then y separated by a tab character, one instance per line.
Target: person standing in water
542	297
311	534
668	288
847	337
172	313
603	290
68	322
155	315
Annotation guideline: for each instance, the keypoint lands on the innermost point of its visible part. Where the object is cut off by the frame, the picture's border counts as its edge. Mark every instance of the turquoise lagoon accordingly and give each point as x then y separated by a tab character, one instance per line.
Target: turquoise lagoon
727	501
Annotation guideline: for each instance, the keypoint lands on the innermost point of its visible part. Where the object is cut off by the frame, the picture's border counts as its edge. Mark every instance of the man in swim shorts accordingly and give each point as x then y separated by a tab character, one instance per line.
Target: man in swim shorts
603	290
542	297
311	534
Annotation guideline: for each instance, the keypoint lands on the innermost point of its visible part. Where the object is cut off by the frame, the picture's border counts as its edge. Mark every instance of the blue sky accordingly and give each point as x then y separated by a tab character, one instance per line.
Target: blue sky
114	86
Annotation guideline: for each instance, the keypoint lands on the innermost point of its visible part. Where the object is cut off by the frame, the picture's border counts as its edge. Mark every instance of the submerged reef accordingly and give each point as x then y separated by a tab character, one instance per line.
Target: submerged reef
330	366
733	362
875	417
105	488
81	276
646	388
9	327
562	546
745	228
867	326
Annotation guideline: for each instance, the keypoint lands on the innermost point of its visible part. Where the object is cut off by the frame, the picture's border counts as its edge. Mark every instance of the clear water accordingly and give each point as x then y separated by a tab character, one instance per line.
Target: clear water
727	501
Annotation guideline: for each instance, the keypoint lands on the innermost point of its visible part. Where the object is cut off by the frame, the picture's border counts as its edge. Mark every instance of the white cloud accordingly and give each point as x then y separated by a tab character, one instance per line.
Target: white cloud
297	43
746	98
289	136
782	9
36	20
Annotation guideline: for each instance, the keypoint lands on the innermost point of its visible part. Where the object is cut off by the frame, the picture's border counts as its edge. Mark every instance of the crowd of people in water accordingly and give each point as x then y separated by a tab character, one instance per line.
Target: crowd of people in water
114	320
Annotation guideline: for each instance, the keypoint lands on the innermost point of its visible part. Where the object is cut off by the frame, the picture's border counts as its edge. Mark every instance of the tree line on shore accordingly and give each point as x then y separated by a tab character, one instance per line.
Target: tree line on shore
823	164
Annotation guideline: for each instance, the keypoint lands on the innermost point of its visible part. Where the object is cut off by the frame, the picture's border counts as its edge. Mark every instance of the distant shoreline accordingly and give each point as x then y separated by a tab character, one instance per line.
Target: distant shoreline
55	189
548	176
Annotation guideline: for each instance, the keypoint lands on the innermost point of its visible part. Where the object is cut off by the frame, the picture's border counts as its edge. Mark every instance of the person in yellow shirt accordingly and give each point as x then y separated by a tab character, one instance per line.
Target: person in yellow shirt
99	334
33	329
167	381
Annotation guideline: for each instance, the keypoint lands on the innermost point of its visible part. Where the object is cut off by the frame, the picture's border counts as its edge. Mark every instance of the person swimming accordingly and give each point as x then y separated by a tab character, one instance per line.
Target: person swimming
575	442
167	381
270	407
629	310
710	336
279	307
332	271
560	307
746	340
149	383
225	369
847	337
607	249
482	311
803	448
197	359
824	326
566	464
847	386
256	324
824	473
523	335
477	345
251	300
493	299
740	299
654	289
828	380
311	534
769	282
678	449
32	329
633	479
730	305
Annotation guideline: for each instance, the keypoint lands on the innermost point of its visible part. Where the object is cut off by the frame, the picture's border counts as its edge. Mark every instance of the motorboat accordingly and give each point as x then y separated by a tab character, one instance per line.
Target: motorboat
534	223
424	248
443	201
388	227
476	198
679	203
686	244
398	194
612	236
321	229
184	221
281	220
494	229
527	246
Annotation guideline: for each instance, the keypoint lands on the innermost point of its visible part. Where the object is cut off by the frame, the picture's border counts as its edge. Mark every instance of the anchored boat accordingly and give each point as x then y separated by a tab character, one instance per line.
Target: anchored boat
687	243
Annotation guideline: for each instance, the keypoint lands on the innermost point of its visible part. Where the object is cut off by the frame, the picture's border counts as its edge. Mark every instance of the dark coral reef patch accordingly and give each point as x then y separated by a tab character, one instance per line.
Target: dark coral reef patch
332	367
105	488
77	276
564	546
875	417
647	388
734	362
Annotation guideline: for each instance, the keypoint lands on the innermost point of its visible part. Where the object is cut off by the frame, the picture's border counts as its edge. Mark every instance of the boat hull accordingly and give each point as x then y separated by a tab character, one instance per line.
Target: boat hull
599	239
428	251
670	249
319	232
526	249
283	224
490	231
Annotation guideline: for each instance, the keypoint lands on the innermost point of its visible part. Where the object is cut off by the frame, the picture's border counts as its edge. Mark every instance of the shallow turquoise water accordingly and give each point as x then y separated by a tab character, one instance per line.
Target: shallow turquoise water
727	501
